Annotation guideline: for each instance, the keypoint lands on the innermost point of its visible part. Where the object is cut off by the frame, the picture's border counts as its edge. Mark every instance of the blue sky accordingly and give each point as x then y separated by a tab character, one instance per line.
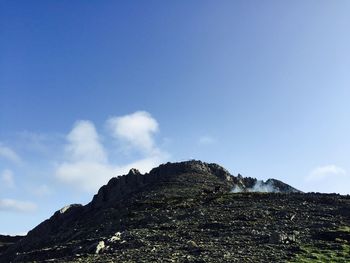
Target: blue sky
89	89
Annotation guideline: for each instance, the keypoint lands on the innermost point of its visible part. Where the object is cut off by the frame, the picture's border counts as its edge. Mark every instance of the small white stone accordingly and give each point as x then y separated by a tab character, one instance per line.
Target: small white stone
100	246
117	237
64	209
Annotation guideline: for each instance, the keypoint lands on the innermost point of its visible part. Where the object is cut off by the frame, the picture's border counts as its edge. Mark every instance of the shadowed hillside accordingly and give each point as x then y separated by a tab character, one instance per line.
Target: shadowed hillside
192	212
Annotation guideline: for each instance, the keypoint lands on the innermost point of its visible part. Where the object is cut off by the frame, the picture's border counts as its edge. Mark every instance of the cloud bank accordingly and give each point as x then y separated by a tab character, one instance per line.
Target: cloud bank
329	178
323	172
17	206
86	164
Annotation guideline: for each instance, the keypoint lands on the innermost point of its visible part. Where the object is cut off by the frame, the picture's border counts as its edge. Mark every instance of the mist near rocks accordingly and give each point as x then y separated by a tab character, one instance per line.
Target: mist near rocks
260	186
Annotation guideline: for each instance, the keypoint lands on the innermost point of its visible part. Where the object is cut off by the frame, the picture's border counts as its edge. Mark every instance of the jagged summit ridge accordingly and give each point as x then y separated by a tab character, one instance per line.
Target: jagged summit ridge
121	186
195	171
192	166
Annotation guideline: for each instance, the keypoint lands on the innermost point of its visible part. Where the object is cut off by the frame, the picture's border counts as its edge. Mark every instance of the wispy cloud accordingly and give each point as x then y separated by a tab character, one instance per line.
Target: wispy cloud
9	154
86	163
38	142
7	178
322	172
17	206
41	190
206	140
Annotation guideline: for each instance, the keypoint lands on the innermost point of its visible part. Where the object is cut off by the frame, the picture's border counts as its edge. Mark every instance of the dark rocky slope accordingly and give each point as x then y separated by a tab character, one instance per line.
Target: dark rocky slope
7	241
184	212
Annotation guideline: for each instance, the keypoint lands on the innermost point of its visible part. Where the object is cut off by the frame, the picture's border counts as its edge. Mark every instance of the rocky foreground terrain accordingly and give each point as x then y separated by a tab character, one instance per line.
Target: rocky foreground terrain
191	212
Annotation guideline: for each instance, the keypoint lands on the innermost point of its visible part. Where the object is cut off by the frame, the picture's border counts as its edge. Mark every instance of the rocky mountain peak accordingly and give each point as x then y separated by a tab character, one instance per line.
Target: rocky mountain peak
188	173
191	167
133	171
116	207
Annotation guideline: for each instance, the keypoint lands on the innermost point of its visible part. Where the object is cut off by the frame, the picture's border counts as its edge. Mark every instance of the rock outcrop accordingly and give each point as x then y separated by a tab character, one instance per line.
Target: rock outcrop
119	187
124	185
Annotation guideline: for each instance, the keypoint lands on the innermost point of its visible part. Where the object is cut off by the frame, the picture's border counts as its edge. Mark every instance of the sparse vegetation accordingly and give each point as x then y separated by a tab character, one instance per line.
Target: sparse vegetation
336	249
339	253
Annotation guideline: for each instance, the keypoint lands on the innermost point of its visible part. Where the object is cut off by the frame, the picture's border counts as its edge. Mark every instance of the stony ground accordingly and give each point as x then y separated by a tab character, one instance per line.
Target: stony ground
183	221
233	228
247	227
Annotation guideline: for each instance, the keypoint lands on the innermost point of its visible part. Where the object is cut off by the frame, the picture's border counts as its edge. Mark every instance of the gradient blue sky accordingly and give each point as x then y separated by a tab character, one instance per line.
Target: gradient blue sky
260	87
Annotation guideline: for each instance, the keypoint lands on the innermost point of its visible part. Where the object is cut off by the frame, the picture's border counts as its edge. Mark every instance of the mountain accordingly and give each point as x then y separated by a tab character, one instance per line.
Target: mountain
192	212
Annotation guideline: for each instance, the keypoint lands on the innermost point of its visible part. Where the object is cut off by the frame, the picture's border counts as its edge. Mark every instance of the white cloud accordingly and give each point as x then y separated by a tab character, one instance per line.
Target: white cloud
206	140
9	154
136	129
86	163
326	179
7	179
84	143
88	176
17	206
323	172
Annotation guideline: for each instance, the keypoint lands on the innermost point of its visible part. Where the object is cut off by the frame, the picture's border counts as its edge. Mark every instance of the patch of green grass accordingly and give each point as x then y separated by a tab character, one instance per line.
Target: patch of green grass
338	251
344	228
315	254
